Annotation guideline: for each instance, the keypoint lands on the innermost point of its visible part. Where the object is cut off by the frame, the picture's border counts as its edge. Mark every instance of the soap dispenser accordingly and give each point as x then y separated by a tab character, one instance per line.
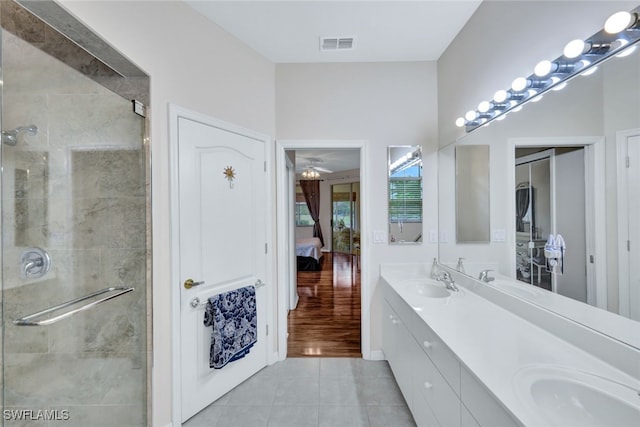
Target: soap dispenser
434	269
460	267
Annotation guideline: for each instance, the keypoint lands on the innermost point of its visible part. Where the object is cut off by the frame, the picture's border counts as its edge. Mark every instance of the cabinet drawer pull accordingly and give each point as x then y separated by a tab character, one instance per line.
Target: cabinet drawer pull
428	385
427	344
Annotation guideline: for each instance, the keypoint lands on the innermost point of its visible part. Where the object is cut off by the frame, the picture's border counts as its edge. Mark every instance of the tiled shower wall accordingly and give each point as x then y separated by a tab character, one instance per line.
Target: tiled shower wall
77	189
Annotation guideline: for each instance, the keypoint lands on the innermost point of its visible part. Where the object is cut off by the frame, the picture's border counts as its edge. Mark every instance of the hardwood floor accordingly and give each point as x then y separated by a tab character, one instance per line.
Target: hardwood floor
326	322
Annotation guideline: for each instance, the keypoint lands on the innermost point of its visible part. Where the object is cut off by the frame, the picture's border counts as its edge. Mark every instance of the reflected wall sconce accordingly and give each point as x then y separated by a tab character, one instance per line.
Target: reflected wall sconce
619	37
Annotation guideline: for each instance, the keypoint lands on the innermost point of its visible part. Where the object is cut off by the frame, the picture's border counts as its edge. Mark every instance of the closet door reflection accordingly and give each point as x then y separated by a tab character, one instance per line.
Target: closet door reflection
533	218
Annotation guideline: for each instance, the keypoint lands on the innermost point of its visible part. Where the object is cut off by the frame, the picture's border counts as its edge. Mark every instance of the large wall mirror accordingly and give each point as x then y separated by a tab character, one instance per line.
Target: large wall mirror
405	194
567	165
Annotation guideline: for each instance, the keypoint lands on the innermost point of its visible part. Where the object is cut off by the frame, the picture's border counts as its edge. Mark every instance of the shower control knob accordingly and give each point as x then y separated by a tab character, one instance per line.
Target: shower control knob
35	263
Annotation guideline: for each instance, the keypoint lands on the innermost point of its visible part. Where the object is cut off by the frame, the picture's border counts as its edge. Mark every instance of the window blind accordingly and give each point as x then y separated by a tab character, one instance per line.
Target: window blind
405	199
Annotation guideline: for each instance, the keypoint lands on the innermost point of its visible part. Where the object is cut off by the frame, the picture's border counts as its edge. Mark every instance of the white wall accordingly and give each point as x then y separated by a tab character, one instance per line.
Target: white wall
196	65
383	103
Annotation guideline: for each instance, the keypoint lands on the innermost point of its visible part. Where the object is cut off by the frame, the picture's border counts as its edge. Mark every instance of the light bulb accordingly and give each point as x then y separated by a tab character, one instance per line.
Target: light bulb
544	68
589	71
484	106
518	108
471	115
500	96
560	86
460	122
519	84
536	98
575	48
619	22
627	51
501	117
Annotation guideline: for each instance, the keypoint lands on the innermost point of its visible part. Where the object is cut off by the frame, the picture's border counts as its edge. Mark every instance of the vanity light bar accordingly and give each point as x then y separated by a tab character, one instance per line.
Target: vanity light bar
580	57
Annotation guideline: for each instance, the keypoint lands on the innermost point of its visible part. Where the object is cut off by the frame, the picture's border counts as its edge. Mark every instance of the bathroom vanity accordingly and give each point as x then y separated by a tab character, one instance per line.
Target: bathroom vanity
467	359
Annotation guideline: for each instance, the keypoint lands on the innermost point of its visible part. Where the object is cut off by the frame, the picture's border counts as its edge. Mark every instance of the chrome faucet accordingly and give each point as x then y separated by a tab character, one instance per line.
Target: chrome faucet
484	276
449	283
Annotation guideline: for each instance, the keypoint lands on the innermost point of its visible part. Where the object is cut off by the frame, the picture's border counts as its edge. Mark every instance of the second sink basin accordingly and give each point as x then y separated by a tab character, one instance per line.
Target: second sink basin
568	397
427	288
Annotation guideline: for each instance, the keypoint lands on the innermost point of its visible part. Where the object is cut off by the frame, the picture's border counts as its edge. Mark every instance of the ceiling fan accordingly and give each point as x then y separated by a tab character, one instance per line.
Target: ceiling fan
312	163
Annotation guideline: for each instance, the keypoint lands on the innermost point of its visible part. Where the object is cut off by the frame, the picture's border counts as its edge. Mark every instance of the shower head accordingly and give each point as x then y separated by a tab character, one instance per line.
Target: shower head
10	137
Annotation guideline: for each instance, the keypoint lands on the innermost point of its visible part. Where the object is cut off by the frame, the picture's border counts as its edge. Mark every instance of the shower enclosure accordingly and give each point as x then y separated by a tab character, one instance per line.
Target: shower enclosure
75	225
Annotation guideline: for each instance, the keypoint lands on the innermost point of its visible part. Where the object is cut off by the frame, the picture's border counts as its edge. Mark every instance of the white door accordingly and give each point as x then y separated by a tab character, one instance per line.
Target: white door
633	245
223	220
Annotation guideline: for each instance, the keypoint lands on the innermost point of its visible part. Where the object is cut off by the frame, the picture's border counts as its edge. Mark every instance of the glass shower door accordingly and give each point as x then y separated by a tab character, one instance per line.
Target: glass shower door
74	246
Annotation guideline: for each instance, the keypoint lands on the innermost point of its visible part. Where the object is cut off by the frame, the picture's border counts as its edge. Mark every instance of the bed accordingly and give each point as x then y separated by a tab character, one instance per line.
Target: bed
308	254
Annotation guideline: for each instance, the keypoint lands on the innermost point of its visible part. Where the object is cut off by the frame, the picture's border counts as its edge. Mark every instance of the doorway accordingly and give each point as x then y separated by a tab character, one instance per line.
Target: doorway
333	266
554	194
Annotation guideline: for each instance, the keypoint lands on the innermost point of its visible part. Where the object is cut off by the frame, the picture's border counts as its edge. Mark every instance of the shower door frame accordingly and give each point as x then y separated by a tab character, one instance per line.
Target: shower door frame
74	33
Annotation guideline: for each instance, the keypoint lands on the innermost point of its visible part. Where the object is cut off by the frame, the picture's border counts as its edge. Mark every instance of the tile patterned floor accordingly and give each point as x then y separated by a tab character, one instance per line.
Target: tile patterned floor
314	392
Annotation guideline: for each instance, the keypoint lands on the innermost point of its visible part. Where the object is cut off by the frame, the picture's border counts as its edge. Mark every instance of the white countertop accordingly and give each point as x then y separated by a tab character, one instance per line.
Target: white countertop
495	344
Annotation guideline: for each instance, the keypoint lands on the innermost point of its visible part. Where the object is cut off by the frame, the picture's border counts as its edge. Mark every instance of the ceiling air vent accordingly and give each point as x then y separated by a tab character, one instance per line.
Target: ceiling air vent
336	43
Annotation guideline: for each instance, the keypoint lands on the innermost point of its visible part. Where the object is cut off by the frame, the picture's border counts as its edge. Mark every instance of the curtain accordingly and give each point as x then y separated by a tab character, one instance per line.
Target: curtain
522	205
311	191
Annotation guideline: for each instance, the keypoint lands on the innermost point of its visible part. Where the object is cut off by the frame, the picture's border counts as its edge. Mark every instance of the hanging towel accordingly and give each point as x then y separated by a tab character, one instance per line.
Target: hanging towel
561	248
233	317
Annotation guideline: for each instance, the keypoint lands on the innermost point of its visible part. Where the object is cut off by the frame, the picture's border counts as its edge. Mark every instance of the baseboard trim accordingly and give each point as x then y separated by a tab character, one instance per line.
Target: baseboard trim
377	355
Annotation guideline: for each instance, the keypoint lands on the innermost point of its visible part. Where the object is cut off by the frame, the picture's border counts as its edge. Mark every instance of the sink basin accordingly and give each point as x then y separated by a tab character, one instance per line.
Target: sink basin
427	288
569	397
517	289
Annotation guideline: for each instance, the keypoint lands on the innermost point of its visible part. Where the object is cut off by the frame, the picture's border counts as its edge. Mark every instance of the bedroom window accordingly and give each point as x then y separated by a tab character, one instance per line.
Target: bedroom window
303	217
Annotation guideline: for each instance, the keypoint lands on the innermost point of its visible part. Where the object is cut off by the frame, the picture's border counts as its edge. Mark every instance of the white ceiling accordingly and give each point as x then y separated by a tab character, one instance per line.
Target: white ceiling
334	160
392	30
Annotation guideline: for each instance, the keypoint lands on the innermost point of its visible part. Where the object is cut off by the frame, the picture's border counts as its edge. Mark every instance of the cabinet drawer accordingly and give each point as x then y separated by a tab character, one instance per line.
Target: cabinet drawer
482	405
430	388
444	359
422	414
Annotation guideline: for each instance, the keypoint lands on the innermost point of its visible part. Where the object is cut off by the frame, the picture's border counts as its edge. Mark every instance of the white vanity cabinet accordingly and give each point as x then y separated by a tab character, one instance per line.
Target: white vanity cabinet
485	409
430	376
397	339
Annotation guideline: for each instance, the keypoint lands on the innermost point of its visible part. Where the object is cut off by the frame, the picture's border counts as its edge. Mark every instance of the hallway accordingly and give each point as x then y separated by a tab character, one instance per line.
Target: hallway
326	322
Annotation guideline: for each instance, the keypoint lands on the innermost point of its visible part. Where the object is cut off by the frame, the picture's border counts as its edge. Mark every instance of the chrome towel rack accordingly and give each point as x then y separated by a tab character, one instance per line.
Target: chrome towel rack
114	291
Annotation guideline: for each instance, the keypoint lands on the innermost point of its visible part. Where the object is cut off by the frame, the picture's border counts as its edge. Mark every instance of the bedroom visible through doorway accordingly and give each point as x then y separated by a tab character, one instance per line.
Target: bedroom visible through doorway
326	321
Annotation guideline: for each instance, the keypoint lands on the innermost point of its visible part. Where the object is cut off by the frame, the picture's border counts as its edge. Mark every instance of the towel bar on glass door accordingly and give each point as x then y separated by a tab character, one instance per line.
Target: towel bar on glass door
28	320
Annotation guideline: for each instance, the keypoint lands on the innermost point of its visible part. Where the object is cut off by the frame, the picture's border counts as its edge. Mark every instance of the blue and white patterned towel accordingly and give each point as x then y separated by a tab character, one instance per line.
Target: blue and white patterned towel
234	319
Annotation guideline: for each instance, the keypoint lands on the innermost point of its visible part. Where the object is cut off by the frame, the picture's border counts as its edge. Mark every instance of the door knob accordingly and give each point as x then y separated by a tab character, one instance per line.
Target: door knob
189	283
